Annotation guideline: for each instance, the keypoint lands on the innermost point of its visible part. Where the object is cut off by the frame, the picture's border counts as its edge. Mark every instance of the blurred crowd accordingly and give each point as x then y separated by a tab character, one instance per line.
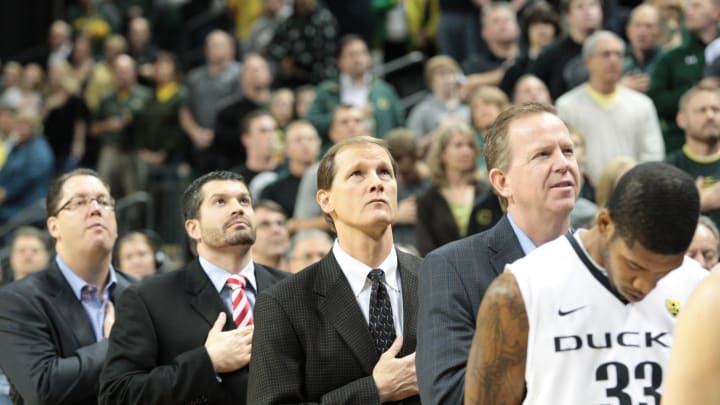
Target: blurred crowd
265	87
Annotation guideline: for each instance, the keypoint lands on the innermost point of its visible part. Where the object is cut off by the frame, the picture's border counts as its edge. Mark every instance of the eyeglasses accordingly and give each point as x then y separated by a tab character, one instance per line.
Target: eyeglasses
81	202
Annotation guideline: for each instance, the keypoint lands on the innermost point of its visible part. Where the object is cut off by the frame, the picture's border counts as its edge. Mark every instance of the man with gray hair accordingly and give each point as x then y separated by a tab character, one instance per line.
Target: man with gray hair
615	120
307	247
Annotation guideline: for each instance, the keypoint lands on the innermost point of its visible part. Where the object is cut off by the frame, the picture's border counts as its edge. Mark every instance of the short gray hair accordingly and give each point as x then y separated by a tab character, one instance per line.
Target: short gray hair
306	234
590	44
708	223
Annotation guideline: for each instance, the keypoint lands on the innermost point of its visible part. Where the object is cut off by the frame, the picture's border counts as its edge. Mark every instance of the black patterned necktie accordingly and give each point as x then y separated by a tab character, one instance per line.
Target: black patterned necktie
382	327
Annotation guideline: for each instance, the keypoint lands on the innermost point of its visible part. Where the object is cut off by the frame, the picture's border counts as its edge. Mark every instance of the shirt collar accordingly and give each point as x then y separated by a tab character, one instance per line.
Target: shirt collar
356	271
77	284
346	81
526	244
218	277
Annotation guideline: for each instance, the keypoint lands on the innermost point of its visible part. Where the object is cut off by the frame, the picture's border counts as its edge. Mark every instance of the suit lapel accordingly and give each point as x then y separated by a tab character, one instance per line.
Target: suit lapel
409	292
203	297
262	277
70	308
123	282
504	246
342	311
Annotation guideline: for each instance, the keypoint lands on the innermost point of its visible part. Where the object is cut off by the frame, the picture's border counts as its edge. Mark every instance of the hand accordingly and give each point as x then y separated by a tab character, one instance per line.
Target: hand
54	101
202	137
407	211
109	319
115	124
395	378
152	158
636	81
230	350
709	195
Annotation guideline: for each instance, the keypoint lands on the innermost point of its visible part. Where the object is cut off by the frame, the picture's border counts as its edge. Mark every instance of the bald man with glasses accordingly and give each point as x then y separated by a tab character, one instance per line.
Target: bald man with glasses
54	324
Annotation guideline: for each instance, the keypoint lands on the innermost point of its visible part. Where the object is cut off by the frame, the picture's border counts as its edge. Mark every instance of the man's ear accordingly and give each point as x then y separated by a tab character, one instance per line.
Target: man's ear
52	227
604	223
192	227
500	182
680	119
324	200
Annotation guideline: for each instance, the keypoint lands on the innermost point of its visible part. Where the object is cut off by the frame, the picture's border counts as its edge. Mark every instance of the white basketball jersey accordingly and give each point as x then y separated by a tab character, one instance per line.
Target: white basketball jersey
586	345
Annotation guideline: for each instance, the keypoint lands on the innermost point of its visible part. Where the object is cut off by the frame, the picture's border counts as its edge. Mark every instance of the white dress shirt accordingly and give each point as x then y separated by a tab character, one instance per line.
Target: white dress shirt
356	274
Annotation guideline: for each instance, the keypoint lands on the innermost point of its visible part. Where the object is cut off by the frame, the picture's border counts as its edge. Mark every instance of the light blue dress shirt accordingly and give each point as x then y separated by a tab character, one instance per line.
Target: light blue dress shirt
218	277
525	243
88	296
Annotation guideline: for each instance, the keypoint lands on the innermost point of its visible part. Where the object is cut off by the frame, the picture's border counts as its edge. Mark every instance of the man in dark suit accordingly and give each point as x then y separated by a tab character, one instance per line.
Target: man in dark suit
328	334
184	337
532	168
54	324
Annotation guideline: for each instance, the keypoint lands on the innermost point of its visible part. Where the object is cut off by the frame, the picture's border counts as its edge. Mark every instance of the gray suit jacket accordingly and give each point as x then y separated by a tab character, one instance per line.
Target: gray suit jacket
311	341
453	280
49	352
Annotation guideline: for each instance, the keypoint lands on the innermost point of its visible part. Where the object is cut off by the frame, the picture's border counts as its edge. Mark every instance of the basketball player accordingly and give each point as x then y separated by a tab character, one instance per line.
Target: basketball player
589	317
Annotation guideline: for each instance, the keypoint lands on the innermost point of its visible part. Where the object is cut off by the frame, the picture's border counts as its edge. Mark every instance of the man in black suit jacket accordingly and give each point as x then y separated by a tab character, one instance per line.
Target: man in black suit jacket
175	341
316	339
54	324
531	166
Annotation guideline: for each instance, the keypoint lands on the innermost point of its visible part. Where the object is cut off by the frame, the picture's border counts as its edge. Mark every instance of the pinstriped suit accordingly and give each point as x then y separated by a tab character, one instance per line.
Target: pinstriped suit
311	341
453	280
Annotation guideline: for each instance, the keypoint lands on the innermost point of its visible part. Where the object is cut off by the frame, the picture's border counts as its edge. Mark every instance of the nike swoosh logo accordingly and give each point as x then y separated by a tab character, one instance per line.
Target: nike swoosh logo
563	313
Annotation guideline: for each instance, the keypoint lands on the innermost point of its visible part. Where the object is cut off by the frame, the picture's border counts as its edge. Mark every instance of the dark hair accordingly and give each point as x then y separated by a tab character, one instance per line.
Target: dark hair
55	189
248	119
306	234
269	205
192	196
565	5
347	40
137	235
338	109
657	205
540	12
166	56
32	232
402	143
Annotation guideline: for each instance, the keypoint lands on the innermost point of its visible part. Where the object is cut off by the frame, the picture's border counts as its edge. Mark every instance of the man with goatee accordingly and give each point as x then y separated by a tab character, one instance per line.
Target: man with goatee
185	336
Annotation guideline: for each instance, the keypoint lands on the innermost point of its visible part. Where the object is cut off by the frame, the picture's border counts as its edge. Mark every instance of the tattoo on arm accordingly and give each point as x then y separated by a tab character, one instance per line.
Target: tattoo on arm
495	372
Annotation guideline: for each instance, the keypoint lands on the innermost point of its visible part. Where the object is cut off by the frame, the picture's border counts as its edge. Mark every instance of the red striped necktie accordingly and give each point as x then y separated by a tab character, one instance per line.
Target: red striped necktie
241	310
